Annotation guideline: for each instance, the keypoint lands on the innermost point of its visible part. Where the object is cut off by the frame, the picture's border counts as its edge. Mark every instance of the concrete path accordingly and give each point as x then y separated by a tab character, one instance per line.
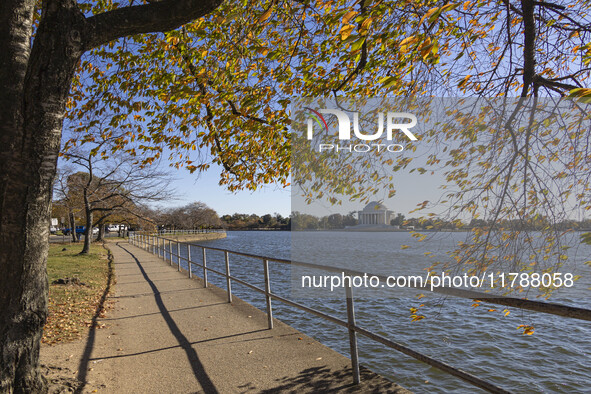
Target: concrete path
168	334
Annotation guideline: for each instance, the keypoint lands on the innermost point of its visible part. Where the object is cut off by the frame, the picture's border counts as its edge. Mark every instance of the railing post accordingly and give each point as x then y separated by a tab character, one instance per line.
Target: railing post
178	255
170	251
228	282
189	261
268	293
352	334
204	268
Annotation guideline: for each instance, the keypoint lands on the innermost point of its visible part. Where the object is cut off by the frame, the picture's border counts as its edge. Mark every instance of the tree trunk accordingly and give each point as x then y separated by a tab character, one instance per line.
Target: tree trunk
101	233
73	227
35	84
87	233
89	222
32	104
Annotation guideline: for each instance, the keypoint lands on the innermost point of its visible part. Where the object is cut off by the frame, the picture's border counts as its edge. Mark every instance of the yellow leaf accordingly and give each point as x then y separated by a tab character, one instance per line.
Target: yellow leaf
425	47
407	43
527	329
428	14
463	81
449	7
348	16
346	31
580	92
366	23
404	247
358	44
388	82
265	16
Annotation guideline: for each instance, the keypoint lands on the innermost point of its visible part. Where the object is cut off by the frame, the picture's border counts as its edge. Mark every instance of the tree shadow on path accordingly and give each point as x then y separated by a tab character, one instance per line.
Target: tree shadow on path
85	359
198	369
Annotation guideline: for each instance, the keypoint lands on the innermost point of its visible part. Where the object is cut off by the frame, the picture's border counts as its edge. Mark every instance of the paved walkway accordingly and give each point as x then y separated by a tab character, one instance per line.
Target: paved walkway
168	334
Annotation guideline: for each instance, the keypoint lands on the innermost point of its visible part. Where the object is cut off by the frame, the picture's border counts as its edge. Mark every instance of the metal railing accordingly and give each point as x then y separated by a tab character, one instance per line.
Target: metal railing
195	231
157	245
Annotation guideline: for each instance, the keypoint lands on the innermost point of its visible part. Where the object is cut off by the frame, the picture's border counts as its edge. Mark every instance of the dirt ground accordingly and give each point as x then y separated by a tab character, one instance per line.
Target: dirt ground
60	366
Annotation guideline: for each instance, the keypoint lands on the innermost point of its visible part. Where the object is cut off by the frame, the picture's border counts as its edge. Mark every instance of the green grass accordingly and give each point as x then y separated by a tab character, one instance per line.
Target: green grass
71	307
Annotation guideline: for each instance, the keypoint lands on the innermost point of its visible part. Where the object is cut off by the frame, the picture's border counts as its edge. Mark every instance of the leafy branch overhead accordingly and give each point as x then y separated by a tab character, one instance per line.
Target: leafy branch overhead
218	90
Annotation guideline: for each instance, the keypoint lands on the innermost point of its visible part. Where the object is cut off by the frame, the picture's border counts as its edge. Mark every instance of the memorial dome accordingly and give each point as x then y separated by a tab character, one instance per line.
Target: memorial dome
374	206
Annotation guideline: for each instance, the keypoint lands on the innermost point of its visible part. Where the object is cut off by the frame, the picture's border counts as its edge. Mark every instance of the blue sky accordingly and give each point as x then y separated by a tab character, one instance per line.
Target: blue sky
412	189
204	187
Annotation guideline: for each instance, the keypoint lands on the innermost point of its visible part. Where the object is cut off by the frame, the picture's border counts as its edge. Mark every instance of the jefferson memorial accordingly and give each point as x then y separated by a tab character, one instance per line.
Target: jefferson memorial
374	214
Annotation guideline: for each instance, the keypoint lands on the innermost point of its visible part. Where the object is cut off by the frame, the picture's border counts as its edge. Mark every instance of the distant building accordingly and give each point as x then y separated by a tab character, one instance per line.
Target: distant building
374	214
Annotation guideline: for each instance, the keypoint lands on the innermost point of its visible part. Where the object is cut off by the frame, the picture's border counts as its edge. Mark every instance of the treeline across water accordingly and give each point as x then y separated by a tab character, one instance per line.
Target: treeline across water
198	215
242	221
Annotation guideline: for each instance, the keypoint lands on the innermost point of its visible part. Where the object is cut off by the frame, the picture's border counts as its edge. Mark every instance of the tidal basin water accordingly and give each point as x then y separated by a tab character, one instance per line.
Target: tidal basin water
556	359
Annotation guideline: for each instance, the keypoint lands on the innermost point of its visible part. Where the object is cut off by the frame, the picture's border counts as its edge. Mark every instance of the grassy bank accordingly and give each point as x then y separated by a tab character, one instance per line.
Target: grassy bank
73	305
